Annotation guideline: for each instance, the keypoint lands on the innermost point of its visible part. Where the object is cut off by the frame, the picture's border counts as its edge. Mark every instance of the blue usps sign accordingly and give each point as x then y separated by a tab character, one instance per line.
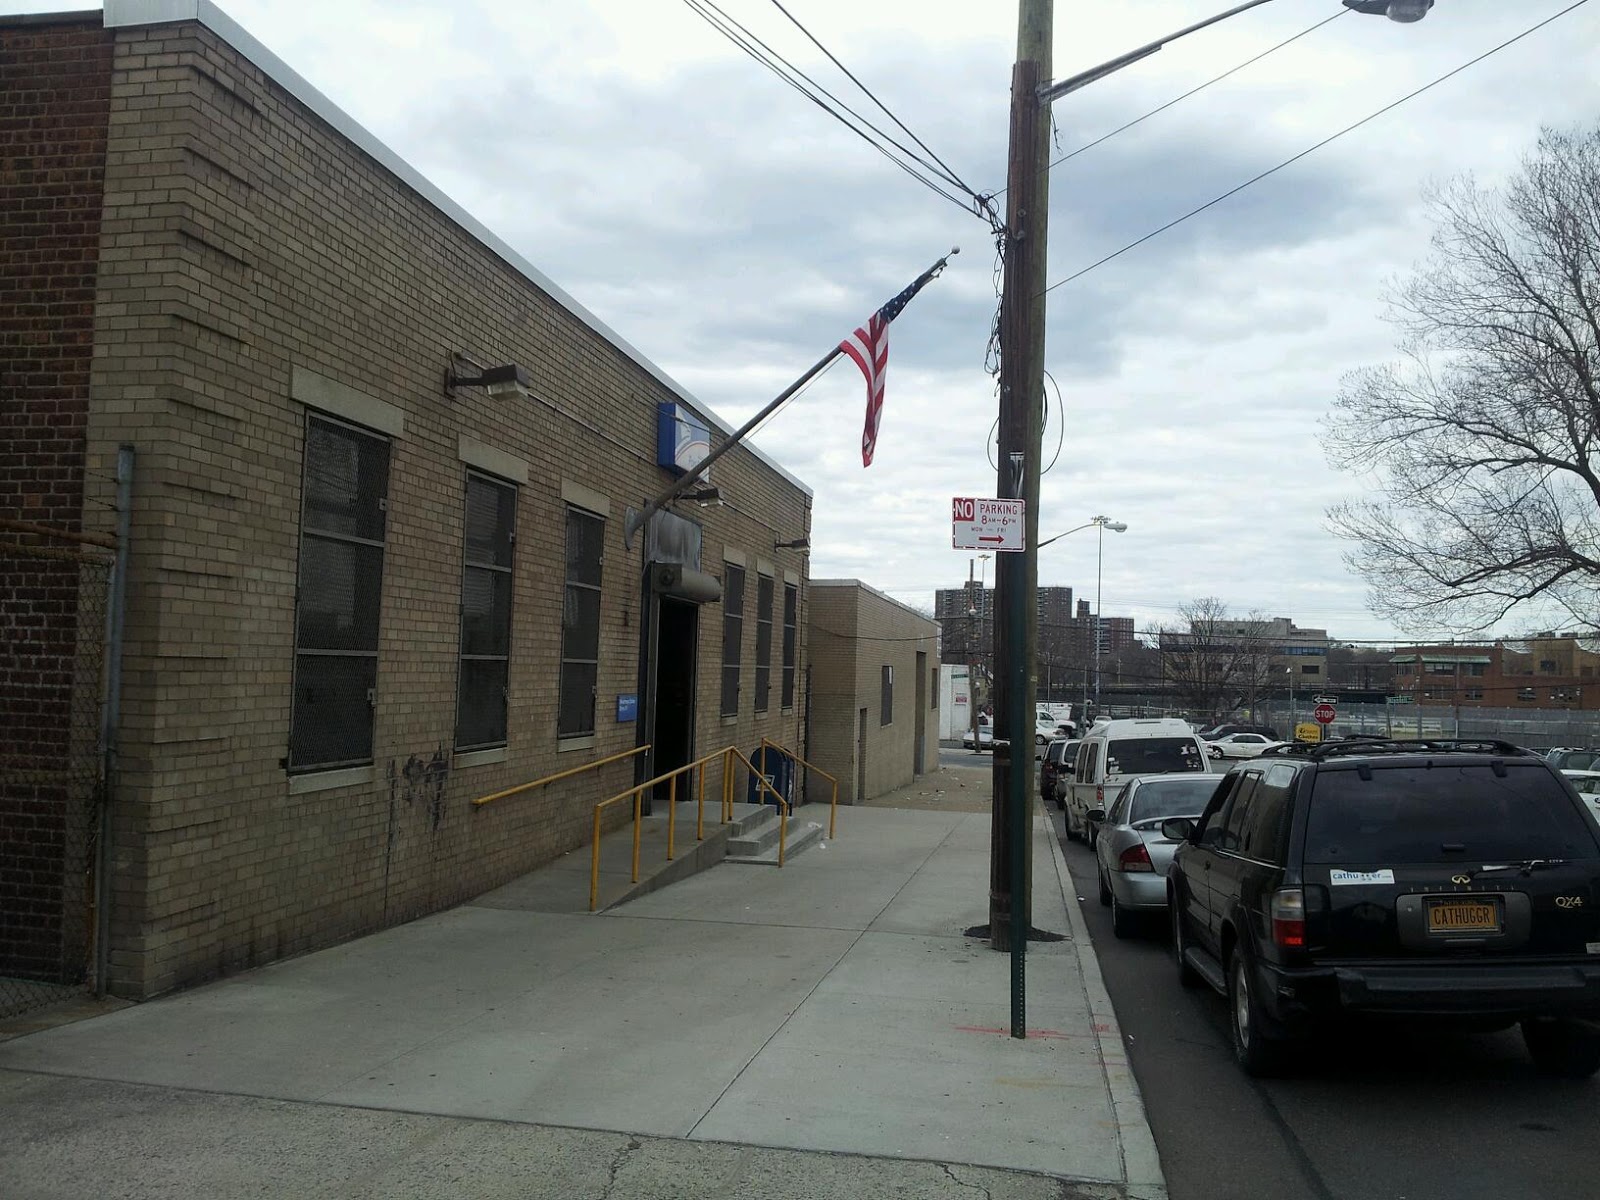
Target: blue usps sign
682	439
628	707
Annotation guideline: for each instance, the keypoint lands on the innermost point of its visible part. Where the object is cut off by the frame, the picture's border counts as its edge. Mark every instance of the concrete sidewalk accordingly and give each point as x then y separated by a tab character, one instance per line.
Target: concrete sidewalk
831	1014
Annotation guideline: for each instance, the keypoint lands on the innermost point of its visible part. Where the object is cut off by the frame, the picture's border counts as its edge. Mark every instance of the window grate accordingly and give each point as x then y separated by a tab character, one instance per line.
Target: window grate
338	595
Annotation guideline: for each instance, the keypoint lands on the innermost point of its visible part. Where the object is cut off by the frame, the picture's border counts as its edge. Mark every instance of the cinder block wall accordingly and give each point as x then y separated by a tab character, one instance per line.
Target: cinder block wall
54	102
244	244
855	632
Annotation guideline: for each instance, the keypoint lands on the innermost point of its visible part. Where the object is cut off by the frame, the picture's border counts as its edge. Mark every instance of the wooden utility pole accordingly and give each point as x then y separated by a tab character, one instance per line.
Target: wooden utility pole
1022	310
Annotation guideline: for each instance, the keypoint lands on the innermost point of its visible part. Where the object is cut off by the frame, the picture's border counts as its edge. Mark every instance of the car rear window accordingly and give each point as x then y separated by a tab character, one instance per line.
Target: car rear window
1172	797
1153	756
1443	814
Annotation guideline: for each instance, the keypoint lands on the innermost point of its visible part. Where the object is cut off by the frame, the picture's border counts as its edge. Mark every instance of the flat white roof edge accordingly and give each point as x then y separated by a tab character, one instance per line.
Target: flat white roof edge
123	14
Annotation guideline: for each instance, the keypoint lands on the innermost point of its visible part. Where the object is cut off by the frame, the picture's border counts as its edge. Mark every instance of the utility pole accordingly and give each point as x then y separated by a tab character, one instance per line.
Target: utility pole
1022	311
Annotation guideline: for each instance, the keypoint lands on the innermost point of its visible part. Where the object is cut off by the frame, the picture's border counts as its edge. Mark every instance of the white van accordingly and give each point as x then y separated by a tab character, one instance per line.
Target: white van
1115	749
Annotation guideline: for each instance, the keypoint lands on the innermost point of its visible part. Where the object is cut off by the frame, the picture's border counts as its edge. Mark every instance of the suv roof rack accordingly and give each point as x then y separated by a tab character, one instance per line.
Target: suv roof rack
1359	744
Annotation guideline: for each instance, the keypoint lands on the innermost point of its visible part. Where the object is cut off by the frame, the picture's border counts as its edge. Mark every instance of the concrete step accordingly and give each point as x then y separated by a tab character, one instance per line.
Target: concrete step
803	834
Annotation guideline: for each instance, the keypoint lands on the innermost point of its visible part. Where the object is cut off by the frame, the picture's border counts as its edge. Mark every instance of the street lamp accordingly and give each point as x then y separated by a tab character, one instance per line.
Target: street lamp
1404	11
1104	523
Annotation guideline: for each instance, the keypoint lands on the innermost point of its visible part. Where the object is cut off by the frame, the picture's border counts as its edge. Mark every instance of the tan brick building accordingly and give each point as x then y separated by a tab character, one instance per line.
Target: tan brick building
357	599
874	718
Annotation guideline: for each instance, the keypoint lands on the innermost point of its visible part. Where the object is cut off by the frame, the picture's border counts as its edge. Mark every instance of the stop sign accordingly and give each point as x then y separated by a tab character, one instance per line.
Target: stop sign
1323	713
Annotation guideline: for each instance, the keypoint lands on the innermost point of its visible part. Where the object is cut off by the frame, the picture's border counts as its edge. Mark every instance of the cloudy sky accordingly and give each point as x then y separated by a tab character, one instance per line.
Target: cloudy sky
732	231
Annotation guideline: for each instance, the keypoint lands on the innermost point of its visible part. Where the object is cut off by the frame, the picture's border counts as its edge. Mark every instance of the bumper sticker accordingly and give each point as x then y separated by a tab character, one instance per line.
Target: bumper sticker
1338	878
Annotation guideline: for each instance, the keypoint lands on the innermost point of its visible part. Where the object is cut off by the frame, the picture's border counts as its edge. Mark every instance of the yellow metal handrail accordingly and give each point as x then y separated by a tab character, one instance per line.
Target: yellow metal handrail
523	787
833	807
783	805
636	793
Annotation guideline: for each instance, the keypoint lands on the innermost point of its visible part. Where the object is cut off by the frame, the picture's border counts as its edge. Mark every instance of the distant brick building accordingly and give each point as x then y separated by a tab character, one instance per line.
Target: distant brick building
358	599
1539	673
874	690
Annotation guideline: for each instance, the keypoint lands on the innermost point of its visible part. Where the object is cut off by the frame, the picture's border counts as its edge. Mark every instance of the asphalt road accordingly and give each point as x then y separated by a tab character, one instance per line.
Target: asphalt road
1396	1116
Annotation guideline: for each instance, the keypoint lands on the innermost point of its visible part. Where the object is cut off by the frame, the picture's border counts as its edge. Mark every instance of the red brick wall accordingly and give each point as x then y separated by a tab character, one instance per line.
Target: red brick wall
54	104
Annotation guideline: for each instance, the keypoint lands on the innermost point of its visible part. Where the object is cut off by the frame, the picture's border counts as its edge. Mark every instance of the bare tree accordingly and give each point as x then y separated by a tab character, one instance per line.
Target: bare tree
1217	662
1481	444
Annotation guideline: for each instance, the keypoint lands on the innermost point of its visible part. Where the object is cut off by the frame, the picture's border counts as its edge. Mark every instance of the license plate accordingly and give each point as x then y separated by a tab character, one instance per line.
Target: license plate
1455	915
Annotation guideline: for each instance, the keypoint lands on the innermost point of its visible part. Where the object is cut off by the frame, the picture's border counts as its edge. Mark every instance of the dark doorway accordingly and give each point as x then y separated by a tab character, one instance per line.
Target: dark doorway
677	636
920	741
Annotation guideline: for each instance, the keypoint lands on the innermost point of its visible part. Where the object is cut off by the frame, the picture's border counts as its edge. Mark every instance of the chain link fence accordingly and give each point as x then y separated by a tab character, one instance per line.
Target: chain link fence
54	593
1534	728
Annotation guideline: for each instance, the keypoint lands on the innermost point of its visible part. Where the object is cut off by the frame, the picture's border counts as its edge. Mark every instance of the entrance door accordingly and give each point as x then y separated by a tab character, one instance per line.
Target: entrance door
677	636
861	760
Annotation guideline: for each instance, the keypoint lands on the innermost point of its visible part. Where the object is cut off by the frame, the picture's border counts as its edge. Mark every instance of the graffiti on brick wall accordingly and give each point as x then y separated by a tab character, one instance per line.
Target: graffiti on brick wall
419	782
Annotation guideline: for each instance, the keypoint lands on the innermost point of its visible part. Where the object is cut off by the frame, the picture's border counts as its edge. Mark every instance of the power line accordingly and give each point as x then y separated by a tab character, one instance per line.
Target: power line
1313	149
760	52
949	172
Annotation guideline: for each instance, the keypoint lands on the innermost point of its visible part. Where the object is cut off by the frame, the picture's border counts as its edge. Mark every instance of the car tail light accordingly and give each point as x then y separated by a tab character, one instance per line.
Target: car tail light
1100	796
1135	858
1289	918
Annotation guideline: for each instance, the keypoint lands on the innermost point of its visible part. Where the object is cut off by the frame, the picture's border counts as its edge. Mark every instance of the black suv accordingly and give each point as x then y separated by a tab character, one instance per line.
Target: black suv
1453	881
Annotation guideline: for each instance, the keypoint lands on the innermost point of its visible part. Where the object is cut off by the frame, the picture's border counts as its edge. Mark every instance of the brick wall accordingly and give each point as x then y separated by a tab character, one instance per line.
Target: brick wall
54	94
854	633
245	241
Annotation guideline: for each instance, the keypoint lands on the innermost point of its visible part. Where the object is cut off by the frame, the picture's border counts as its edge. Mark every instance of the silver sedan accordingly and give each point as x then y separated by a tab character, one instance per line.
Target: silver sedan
1131	854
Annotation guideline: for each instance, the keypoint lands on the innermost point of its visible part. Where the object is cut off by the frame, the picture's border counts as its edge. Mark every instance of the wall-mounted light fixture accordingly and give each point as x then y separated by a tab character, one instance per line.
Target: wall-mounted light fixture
507	382
703	496
799	543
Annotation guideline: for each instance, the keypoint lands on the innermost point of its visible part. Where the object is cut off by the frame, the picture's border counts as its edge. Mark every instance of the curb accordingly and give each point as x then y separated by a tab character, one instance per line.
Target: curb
1141	1162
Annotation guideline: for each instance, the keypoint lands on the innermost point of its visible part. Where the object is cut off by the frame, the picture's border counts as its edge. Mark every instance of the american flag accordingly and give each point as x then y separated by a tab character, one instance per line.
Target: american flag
869	347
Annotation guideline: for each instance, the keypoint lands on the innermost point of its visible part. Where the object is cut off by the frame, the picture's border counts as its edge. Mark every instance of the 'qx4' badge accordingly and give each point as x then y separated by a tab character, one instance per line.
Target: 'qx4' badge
1569	901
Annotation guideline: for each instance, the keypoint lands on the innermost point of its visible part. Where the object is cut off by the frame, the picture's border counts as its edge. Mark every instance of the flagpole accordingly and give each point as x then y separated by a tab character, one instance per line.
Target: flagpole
635	521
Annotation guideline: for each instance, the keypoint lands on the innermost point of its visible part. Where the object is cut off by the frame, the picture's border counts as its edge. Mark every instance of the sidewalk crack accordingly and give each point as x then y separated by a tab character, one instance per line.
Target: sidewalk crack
960	1182
618	1160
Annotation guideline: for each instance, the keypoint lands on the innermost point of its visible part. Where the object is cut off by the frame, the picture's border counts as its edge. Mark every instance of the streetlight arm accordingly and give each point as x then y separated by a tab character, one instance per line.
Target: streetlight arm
1059	536
1085	78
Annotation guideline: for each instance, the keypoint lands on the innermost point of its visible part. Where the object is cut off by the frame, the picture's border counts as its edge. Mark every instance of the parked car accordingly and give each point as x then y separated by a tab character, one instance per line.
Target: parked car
1568	758
1063	717
1056	754
1117	749
1131	853
1217	731
1453	881
983	740
1239	745
1588	785
1047	727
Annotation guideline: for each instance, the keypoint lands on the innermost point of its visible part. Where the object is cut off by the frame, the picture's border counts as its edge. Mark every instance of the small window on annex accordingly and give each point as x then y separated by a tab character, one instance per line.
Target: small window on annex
580	624
886	697
791	613
763	642
732	636
491	514
342	523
